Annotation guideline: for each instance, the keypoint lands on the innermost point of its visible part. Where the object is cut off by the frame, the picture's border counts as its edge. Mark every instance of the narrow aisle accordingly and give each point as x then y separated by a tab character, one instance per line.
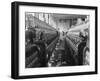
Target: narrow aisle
56	57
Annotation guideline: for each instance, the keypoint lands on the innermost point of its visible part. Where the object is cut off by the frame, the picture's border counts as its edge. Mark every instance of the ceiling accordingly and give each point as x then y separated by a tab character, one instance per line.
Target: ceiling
67	16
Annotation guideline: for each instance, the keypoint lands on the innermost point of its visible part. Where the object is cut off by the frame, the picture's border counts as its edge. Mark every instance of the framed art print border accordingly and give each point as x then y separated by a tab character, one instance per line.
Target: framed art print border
15	39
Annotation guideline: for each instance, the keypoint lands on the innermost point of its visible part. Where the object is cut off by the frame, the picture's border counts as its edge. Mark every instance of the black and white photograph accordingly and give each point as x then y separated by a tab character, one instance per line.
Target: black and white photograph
51	40
56	40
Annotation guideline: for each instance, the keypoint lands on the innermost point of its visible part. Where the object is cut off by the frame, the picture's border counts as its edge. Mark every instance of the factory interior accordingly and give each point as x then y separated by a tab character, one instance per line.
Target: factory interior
56	40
